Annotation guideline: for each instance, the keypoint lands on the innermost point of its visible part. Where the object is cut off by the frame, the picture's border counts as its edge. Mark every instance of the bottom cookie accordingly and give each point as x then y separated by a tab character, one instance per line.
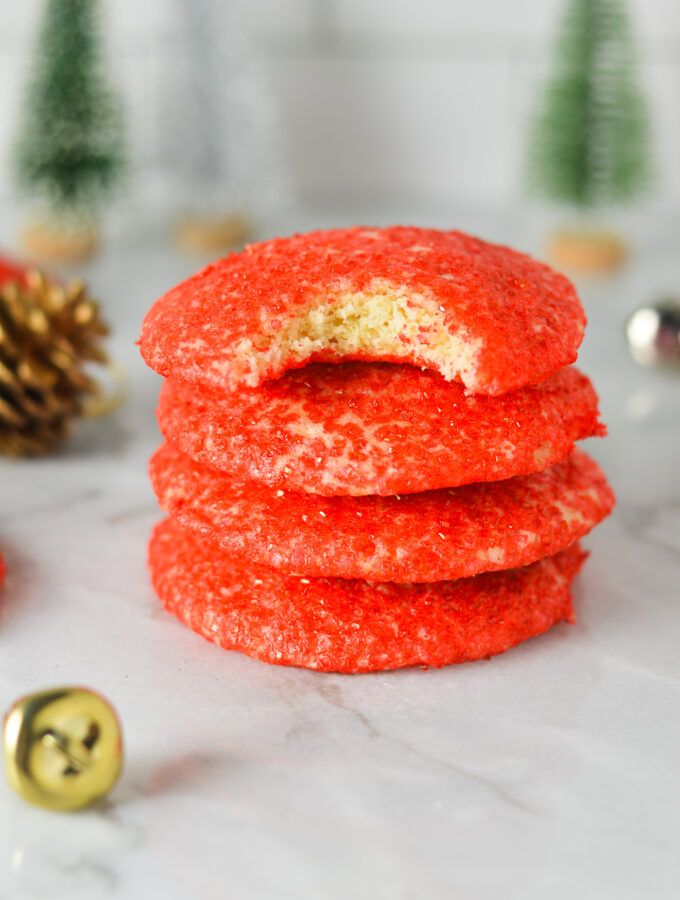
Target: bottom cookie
337	625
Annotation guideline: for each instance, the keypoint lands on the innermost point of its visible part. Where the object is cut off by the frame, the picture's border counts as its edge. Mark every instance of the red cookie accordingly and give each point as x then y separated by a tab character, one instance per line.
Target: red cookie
431	536
375	428
352	626
478	313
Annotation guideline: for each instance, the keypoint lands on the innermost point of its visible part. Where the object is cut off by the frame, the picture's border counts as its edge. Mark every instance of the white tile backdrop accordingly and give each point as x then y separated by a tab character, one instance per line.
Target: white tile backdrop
378	100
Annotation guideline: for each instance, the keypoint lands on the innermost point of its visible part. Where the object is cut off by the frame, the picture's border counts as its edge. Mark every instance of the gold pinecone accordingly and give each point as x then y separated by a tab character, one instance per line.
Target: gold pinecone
47	332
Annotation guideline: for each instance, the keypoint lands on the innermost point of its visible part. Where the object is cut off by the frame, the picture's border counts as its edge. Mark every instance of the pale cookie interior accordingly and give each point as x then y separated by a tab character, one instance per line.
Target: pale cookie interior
382	321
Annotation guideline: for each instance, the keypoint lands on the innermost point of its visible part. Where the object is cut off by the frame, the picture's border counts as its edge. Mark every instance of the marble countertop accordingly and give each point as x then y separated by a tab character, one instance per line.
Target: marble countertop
551	771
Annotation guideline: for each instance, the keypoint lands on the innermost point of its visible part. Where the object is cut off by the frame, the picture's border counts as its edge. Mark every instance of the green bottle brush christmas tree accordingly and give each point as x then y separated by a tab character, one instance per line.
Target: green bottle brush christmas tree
70	150
589	146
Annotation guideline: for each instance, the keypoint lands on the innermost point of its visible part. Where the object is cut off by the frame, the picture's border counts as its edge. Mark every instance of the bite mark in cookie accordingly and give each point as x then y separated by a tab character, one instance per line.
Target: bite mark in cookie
478	313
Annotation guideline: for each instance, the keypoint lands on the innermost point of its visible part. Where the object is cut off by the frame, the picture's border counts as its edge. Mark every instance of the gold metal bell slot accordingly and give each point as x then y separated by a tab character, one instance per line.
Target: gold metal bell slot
63	747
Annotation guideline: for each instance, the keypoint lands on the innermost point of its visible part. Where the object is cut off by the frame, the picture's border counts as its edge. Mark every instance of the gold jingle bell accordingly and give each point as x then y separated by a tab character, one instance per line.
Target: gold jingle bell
63	747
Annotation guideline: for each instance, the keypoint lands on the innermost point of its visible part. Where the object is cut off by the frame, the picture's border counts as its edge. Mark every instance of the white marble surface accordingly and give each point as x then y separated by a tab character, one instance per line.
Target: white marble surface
551	771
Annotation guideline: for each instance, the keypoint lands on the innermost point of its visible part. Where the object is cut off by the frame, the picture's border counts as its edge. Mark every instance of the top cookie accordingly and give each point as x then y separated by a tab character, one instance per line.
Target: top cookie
481	314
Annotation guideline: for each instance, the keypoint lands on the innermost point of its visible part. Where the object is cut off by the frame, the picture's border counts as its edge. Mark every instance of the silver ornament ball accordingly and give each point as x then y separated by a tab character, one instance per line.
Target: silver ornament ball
653	334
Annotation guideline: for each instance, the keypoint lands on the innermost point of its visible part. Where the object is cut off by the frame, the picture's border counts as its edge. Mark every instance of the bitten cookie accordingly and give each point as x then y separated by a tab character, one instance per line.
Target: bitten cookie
375	428
481	314
431	536
335	625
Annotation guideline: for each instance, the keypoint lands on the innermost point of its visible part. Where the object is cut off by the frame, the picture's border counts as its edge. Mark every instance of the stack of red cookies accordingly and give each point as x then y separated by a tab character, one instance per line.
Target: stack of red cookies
370	449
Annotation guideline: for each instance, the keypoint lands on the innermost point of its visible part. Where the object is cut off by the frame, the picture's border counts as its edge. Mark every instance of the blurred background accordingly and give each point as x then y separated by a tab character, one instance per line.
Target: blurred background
140	139
376	108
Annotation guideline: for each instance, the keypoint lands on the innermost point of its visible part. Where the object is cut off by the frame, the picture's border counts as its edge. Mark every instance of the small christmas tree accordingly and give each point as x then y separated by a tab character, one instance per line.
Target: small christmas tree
69	154
220	147
590	142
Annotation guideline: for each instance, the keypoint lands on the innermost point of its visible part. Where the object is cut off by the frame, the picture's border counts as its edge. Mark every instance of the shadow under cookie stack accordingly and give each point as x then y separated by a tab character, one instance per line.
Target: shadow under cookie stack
370	453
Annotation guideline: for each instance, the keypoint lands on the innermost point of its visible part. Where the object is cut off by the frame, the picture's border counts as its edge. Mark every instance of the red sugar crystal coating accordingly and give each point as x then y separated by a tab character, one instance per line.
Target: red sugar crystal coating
3	569
215	327
431	536
335	625
376	428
